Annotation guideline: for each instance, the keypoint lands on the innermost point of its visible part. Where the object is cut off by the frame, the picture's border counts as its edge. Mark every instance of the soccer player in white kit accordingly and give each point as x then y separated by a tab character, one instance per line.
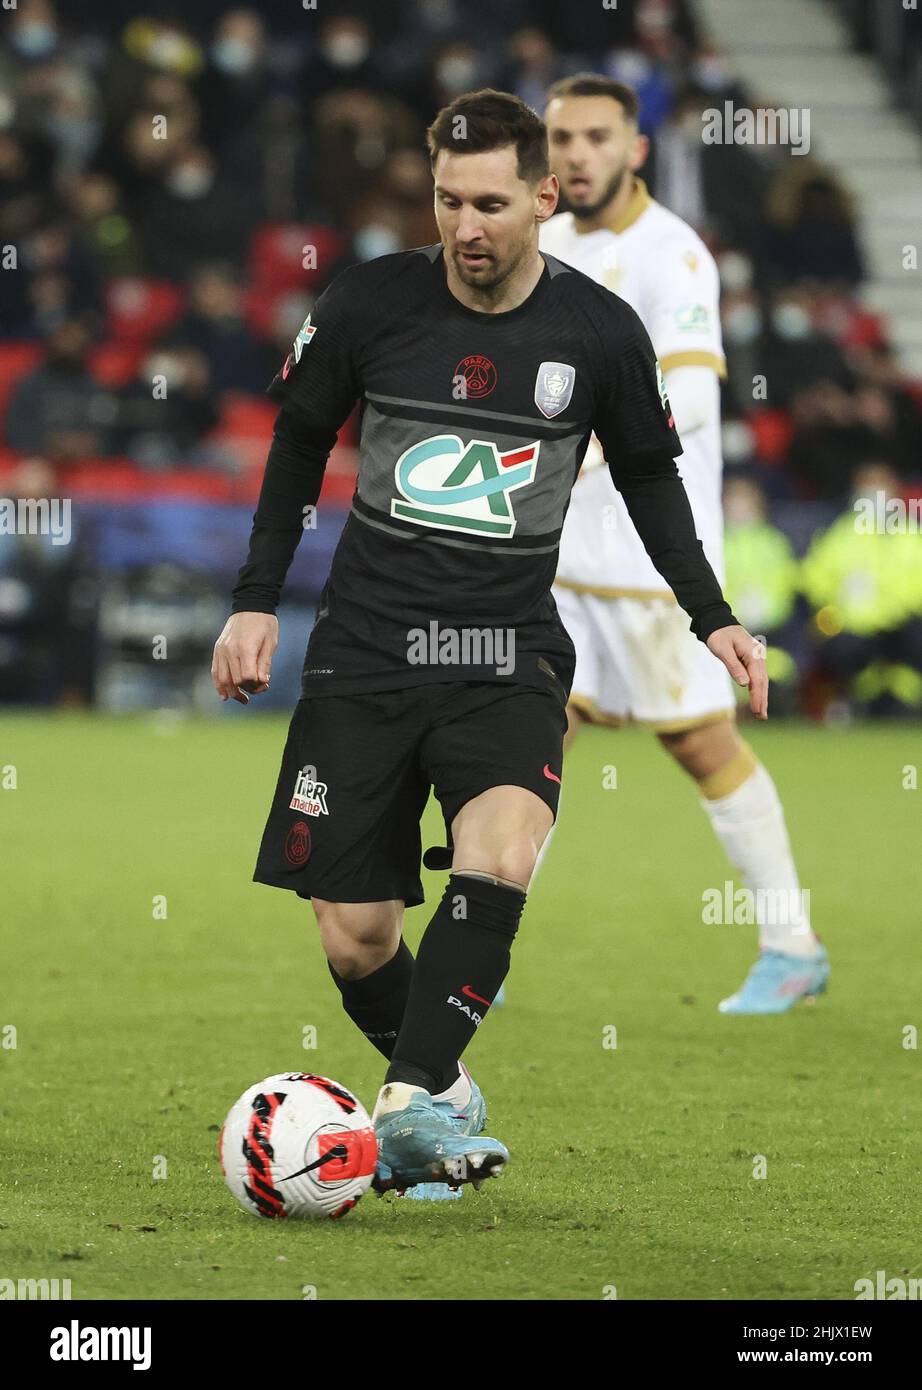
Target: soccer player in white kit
636	658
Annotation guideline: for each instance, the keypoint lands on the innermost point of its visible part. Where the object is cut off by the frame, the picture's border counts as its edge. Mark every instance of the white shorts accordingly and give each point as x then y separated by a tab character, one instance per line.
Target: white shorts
637	659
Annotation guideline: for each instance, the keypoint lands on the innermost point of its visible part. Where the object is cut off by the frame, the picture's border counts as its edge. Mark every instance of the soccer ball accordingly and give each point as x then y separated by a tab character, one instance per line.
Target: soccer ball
298	1145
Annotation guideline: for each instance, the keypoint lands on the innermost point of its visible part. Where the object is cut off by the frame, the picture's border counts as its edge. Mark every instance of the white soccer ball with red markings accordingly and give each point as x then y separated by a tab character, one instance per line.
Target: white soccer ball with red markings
298	1145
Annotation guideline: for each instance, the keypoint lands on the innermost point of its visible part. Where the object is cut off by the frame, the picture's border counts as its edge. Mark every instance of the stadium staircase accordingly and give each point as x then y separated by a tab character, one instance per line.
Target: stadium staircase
795	53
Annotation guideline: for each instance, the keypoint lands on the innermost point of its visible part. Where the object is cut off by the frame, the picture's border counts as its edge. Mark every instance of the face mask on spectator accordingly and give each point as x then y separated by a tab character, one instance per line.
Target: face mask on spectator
628	66
790	321
35	39
456	74
346	50
710	74
169	50
735	271
166	365
233	56
76	136
375	240
742	323
190	181
737	441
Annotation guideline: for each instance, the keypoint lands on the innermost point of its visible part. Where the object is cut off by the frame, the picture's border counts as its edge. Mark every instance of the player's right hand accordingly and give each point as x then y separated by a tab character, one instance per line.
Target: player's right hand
744	657
243	655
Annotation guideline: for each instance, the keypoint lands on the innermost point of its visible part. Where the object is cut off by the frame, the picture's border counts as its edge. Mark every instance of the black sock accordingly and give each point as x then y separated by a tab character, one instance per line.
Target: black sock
462	960
376	1003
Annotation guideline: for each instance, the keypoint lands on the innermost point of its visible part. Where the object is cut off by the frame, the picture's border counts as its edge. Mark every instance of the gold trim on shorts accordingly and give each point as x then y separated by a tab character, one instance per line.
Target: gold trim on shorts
601	591
684	726
591	712
596	715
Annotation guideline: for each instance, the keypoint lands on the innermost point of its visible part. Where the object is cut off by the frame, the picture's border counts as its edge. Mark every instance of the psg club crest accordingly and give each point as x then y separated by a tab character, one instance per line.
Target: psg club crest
298	843
478	375
554	387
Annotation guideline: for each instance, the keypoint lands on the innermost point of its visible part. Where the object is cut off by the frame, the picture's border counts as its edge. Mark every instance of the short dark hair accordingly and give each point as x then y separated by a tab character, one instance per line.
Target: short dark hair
490	120
591	84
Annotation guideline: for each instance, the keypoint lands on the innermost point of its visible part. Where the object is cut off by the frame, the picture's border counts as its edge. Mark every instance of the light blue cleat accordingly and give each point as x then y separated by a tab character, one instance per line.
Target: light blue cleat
419	1144
499	997
473	1121
777	981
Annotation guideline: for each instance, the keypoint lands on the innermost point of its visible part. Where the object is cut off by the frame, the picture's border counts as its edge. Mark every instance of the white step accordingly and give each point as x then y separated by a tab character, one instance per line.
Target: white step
797	53
754	21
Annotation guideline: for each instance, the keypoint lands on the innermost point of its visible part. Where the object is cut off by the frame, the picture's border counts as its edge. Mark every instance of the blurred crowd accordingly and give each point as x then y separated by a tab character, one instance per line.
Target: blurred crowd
161	173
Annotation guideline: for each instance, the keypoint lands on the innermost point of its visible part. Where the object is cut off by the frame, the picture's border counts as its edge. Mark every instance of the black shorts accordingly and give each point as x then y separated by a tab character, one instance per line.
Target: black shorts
357	771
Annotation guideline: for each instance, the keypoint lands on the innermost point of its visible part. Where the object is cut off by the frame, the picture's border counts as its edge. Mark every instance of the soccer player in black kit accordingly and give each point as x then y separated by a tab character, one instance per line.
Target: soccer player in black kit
437	659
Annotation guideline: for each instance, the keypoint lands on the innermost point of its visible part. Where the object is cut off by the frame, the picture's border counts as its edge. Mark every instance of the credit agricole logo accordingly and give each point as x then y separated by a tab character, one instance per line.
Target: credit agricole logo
446	483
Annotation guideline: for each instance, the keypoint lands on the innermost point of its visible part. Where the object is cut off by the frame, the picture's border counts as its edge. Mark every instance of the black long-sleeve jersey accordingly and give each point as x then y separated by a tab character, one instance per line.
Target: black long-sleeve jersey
473	429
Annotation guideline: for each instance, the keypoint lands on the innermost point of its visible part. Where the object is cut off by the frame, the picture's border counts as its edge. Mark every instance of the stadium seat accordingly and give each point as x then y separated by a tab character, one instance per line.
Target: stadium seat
139	310
112	479
772	430
115	364
17	359
261	304
277	254
122	480
246	415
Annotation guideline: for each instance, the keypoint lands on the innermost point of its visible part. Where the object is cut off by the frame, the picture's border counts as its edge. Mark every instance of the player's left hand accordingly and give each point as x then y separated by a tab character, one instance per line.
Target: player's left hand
744	657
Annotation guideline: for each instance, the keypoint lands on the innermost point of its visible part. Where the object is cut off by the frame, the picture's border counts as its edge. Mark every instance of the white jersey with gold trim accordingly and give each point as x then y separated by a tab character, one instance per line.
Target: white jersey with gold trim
663	269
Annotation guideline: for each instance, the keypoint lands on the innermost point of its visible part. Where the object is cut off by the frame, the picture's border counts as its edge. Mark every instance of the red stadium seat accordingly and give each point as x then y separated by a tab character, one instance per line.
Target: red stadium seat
260	307
115	479
122	480
115	364
277	255
182	483
140	310
245	430
16	361
772	430
248	415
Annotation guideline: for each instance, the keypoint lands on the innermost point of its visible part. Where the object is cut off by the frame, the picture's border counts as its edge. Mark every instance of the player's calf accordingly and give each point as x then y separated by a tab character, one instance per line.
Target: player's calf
358	938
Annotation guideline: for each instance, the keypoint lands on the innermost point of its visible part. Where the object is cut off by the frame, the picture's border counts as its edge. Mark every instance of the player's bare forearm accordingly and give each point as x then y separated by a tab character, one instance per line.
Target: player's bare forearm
744	657
242	662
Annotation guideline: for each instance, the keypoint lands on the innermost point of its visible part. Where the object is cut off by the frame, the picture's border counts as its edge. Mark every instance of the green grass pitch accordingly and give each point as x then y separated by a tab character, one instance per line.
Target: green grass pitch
632	1166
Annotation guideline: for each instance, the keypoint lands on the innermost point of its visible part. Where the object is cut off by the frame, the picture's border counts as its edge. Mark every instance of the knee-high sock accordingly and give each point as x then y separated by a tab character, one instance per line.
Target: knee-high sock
377	1002
462	960
743	806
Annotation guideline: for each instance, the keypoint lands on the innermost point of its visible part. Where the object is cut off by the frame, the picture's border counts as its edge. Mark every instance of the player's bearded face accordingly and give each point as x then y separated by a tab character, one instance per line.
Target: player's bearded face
593	151
583	204
485	214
